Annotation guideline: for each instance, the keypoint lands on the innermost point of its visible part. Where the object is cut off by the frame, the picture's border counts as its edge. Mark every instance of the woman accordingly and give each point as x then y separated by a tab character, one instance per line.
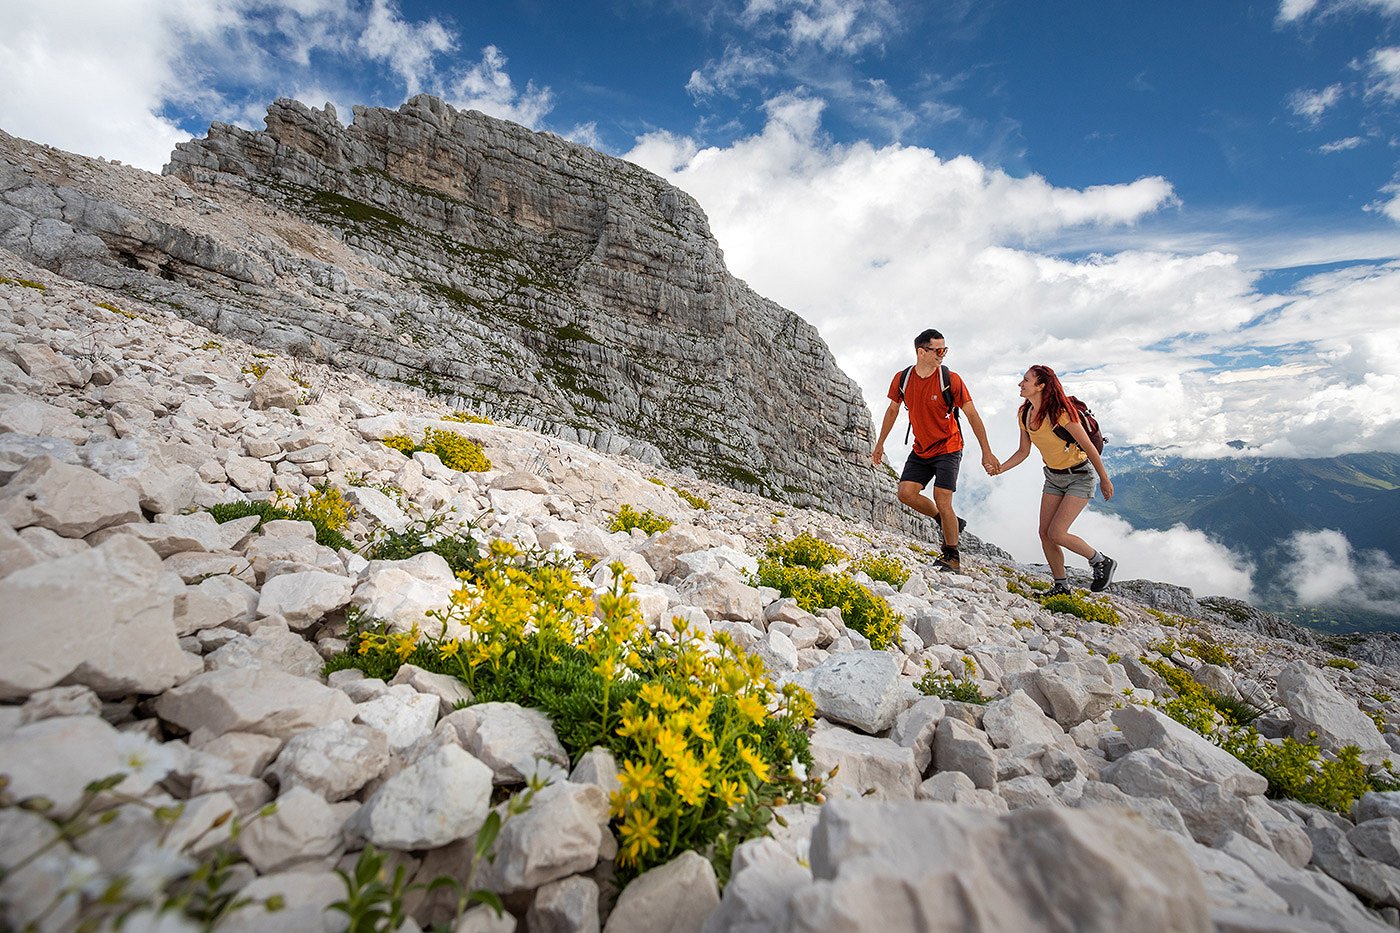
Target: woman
1069	484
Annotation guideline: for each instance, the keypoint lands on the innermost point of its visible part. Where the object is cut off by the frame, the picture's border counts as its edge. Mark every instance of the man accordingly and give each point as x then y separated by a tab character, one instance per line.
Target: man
938	440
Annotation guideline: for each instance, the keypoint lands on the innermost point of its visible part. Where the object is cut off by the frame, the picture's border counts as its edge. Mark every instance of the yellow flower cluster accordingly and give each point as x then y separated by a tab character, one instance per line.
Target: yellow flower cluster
697	745
703	737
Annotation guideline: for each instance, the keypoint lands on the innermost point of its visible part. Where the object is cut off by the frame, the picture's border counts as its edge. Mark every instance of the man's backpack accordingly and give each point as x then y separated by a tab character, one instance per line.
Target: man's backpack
1086	418
944	382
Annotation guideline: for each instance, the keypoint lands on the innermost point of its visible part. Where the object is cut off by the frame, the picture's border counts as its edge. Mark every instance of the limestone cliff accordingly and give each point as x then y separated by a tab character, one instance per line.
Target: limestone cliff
514	272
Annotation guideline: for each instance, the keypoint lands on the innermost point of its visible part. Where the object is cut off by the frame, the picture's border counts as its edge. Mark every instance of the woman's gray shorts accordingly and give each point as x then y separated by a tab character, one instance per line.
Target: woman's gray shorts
1078	483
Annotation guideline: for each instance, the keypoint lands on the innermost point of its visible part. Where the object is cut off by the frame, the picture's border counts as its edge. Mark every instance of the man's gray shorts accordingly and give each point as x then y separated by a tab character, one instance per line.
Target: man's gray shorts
1078	483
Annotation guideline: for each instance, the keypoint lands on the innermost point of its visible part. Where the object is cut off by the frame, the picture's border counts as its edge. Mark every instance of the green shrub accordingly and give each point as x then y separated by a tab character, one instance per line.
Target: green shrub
466	417
455	451
813	589
945	686
1296	770
1090	610
879	567
1345	664
27	283
694	501
324	507
628	518
459	550
706	743
805	550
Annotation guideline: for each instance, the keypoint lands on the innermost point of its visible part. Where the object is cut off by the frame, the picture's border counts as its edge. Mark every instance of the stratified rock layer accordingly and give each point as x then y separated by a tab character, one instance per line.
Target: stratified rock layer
511	271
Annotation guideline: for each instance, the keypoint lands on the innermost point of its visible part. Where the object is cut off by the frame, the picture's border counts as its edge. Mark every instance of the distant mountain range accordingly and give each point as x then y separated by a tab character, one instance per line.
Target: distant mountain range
1254	505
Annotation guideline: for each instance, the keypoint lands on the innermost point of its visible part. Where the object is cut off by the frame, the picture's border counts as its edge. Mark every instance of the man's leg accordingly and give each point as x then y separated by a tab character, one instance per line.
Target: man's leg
912	495
947	517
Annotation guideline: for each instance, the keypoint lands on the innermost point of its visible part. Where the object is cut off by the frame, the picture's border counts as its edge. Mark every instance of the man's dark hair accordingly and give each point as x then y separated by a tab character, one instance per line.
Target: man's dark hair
926	336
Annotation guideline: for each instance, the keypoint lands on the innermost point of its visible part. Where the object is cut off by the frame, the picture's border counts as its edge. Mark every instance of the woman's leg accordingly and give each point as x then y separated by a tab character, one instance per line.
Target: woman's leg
1061	519
1054	555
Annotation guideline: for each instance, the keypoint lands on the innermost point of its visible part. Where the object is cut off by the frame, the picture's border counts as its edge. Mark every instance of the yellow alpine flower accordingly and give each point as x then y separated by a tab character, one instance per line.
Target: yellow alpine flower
729	792
688	777
755	761
670	743
638	836
751	708
638	779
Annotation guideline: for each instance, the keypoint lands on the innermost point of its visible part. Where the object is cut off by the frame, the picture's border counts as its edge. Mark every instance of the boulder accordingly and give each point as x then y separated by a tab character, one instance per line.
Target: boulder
722	594
440	798
918	865
1019	720
870	766
1317	706
302	599
513	741
960	747
334	760
858	688
402	592
70	500
673	898
915	727
303	828
1076	690
259	700
556	837
569	905
403	715
1150	728
103	618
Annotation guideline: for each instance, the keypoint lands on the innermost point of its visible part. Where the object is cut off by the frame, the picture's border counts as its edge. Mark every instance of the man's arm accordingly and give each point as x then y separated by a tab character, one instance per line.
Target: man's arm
891	413
979	430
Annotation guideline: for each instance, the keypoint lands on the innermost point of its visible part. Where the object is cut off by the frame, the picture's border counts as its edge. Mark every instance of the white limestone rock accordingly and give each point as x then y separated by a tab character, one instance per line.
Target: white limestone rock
556	837
303	599
271	646
1019	720
440	798
569	905
259	700
402	591
722	594
960	747
57	758
334	760
915	727
449	690
673	898
859	688
1317	706
403	715
304	828
868	765
70	500
103	617
1150	728
515	742
1034	869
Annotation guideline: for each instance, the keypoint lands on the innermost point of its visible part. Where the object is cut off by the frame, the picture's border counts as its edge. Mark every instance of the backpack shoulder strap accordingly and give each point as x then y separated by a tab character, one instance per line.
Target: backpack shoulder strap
904	381
945	382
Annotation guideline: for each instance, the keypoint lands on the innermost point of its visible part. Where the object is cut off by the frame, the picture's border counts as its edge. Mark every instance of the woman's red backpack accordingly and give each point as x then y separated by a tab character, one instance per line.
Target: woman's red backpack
1086	418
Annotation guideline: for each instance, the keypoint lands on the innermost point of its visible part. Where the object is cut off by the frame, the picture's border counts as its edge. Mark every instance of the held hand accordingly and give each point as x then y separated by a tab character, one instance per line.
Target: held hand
1106	487
991	465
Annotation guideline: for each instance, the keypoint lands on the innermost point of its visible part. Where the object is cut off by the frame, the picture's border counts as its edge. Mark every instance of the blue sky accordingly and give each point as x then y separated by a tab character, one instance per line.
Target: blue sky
1191	210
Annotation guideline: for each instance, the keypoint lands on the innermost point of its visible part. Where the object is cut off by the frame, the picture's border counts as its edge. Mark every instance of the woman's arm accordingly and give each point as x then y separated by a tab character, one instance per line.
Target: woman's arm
1081	437
1021	452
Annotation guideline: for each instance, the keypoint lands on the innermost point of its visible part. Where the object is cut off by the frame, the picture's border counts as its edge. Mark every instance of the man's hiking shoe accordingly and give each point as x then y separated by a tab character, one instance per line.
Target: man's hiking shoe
1059	589
1103	573
948	565
962	524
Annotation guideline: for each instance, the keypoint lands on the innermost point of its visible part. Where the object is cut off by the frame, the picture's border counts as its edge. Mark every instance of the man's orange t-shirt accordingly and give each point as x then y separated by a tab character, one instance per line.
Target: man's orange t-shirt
935	430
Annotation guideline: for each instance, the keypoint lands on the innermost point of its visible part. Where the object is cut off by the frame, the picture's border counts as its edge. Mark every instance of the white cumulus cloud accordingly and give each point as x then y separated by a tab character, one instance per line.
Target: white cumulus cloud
1311	105
1332	573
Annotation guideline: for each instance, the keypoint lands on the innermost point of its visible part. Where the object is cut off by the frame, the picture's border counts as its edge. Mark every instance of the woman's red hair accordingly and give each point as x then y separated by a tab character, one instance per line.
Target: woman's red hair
1053	400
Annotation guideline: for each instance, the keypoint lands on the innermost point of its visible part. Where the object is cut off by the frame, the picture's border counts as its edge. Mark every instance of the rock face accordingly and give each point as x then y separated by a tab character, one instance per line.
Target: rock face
526	275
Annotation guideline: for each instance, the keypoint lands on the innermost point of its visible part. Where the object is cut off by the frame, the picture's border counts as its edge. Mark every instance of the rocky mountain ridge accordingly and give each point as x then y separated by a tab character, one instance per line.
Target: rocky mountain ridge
146	638
507	271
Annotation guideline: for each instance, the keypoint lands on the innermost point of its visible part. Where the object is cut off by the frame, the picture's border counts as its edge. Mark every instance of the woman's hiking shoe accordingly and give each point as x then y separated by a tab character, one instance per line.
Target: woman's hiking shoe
948	564
1059	589
1103	573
